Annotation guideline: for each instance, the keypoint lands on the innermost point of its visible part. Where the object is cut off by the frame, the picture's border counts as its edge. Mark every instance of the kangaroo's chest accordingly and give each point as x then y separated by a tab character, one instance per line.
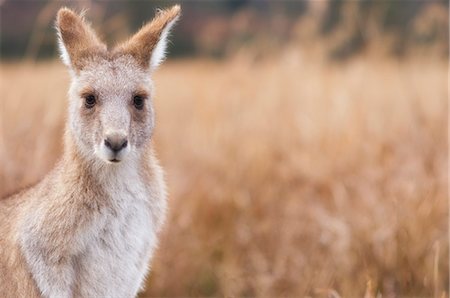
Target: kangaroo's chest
115	260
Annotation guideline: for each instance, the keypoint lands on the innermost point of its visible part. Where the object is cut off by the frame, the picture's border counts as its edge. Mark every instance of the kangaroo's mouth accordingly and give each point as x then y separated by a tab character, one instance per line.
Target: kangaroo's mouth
110	156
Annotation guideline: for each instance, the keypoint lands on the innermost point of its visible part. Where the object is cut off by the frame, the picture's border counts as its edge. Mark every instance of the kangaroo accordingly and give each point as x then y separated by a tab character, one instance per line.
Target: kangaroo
90	227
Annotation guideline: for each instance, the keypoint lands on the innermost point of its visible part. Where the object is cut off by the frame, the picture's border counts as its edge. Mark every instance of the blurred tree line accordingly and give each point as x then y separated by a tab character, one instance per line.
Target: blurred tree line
218	28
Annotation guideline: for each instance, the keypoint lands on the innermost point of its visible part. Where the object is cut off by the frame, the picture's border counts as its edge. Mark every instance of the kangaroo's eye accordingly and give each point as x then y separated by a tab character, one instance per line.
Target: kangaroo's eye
138	102
90	101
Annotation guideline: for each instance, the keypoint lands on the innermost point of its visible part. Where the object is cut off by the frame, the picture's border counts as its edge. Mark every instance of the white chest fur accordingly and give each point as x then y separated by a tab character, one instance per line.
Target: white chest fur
102	252
115	260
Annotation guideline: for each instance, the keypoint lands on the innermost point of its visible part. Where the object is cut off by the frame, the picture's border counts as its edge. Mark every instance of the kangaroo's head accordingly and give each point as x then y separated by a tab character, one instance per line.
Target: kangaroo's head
111	114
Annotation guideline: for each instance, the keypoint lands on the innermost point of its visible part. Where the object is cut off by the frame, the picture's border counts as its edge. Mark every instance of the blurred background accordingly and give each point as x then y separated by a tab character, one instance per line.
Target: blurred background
304	142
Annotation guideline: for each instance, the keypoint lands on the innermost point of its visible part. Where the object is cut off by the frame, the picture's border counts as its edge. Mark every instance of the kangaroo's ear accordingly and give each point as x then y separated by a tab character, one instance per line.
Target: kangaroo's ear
148	45
77	41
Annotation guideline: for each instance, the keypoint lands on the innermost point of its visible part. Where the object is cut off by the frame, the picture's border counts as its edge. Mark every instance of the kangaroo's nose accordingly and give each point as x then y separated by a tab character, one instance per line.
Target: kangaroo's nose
116	142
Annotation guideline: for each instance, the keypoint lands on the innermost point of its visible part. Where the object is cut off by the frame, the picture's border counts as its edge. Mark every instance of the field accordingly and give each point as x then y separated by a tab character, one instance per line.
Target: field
292	176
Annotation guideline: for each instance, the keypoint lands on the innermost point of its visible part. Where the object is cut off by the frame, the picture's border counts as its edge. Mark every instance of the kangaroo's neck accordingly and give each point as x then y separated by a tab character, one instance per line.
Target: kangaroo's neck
83	169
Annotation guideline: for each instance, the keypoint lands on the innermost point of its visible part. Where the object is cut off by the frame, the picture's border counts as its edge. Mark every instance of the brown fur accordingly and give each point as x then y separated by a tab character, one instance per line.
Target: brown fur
141	45
80	40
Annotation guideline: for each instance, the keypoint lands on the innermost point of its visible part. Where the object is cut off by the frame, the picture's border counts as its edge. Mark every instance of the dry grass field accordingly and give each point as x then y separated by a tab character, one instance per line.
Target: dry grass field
288	177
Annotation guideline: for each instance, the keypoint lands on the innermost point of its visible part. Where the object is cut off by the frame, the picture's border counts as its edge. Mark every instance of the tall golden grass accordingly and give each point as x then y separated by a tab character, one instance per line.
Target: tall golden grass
291	176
